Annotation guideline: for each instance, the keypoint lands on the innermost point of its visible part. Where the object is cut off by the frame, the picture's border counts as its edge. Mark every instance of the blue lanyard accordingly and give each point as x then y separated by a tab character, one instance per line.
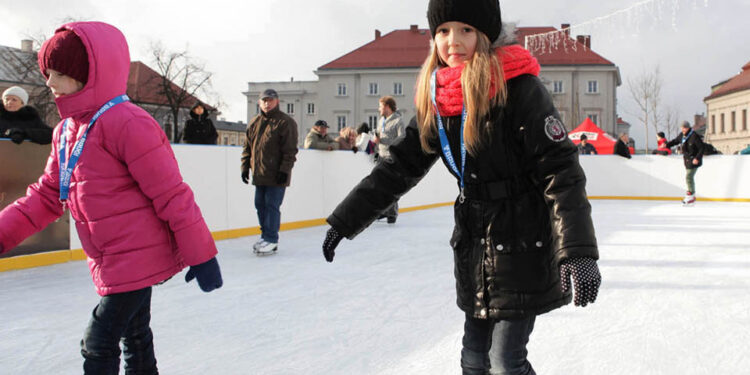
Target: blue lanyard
382	126
66	169
684	138
446	147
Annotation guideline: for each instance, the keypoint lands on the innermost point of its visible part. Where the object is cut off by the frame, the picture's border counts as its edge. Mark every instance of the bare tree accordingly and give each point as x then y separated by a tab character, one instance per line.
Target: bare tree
671	123
181	79
646	92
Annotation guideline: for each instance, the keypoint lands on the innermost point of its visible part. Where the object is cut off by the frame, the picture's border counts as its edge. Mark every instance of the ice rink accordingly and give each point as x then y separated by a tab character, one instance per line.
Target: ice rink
674	300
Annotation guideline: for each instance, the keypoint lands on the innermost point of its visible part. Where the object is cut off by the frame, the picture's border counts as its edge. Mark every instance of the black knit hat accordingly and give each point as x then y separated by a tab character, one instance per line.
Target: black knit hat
484	15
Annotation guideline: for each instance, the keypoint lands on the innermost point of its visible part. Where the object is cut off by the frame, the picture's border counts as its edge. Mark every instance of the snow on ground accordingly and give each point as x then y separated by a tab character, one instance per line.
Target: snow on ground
674	300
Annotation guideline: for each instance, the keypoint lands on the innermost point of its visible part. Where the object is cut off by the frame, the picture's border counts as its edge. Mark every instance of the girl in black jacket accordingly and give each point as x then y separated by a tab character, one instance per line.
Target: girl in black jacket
19	121
523	222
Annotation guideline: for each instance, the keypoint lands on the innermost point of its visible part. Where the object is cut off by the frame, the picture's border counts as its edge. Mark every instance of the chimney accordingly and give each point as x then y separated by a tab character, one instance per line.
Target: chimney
377	34
27	45
414	28
585	40
566	29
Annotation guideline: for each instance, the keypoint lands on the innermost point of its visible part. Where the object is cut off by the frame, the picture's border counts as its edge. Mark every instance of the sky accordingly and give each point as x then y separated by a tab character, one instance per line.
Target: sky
696	43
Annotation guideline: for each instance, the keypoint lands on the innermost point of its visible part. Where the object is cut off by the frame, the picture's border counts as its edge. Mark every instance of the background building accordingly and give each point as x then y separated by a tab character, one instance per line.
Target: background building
582	83
230	133
727	108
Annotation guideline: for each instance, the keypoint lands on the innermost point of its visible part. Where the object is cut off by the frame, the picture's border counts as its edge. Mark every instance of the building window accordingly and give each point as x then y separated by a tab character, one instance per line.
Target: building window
341	89
290	108
372	121
373	89
557	87
744	119
721	124
341	121
713	124
398	88
310	108
226	140
593	117
593	87
734	125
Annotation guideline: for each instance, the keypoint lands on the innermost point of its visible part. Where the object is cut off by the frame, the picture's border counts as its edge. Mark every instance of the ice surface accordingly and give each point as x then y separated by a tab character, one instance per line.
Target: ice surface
674	300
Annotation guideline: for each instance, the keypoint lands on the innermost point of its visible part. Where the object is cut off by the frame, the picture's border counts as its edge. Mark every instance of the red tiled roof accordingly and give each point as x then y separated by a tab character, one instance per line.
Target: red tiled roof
143	87
397	49
737	83
408	49
560	56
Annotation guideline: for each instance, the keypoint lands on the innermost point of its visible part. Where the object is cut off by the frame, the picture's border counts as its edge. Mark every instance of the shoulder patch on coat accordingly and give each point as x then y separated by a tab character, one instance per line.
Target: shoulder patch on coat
554	129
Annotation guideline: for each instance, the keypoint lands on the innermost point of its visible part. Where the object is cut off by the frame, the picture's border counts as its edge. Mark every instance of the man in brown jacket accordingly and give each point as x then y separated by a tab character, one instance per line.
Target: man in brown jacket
270	152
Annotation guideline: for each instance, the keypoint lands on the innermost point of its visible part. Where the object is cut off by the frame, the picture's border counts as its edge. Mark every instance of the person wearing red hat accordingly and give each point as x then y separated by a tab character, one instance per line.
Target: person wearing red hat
523	222
112	167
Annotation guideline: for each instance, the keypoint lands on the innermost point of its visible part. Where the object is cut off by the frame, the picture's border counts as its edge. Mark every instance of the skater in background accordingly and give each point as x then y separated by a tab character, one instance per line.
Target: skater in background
692	155
319	139
112	166
347	139
20	121
269	154
522	219
391	129
364	140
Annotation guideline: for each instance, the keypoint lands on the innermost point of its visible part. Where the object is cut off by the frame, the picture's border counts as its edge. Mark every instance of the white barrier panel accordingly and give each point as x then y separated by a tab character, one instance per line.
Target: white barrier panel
320	180
725	177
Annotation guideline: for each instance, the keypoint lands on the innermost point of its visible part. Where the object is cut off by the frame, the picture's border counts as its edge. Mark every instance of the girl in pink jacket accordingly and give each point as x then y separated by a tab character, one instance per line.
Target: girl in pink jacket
112	166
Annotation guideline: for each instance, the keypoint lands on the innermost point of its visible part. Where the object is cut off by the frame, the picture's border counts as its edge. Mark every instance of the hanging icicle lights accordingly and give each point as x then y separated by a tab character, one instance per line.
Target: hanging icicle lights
630	19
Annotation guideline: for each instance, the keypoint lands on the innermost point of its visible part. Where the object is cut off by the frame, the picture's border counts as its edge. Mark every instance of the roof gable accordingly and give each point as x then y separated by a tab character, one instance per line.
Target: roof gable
144	87
737	83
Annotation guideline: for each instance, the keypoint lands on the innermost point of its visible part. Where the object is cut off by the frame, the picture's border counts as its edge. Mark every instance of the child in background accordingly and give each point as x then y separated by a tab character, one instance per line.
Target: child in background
112	166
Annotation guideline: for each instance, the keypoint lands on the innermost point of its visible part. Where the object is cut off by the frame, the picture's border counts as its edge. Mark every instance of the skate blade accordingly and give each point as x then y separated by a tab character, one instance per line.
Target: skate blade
257	253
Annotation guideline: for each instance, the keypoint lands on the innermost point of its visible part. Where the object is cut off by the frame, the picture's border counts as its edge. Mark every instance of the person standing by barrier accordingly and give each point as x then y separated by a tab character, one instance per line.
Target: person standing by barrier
692	155
523	222
661	145
20	121
112	166
389	132
319	139
199	129
621	146
270	152
586	148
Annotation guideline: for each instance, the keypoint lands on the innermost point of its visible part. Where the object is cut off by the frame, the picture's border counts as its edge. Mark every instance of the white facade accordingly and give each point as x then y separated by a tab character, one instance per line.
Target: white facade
580	91
727	127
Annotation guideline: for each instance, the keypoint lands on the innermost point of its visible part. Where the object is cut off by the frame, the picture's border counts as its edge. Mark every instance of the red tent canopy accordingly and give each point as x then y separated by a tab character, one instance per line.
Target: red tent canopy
603	142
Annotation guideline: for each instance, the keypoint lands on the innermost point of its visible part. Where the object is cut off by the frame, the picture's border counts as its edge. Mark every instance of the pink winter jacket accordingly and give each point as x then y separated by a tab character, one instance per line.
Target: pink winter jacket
137	220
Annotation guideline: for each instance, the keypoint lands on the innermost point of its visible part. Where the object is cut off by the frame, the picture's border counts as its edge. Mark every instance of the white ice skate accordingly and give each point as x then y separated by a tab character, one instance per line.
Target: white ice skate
266	248
689	199
258	244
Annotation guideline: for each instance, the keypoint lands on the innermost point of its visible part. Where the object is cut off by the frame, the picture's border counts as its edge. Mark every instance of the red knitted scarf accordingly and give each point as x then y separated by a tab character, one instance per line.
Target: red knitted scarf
515	60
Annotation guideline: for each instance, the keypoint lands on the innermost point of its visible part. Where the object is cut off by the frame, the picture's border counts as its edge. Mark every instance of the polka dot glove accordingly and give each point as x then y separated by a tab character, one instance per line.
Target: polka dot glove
586	279
332	240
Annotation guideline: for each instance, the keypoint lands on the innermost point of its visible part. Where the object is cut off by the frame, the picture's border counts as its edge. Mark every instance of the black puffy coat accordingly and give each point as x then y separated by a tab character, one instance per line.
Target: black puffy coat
525	210
692	148
200	130
24	124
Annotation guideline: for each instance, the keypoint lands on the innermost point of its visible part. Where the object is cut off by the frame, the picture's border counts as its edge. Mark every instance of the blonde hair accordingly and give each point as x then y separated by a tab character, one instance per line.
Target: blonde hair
476	79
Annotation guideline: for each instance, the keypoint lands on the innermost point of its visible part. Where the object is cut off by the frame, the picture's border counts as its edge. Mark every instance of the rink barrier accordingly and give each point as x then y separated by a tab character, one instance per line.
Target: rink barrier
62	256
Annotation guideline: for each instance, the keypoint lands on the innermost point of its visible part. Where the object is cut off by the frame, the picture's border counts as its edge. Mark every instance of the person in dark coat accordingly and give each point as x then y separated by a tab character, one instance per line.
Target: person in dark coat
199	129
586	148
692	155
19	121
621	147
522	219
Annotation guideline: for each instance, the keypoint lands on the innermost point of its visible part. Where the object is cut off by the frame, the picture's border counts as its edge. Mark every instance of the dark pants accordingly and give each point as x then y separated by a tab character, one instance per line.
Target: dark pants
499	345
268	202
126	317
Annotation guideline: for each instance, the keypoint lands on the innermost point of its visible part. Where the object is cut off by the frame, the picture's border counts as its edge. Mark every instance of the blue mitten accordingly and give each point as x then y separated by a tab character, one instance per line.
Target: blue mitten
207	273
